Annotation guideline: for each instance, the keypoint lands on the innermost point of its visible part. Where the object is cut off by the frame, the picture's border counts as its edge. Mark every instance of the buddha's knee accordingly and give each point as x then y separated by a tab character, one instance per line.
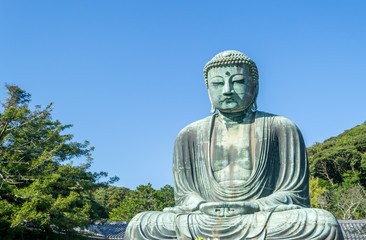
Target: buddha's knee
305	215
143	218
133	227
151	225
325	220
321	216
304	223
326	215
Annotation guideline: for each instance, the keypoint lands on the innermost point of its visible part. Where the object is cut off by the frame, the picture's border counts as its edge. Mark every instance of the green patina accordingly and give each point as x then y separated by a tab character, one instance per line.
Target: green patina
240	173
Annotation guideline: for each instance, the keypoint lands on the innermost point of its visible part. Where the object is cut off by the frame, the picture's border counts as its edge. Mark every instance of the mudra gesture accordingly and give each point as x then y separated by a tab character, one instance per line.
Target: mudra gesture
240	173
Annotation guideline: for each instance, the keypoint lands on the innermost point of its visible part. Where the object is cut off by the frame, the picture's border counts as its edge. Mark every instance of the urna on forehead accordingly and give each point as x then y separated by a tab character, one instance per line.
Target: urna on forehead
231	57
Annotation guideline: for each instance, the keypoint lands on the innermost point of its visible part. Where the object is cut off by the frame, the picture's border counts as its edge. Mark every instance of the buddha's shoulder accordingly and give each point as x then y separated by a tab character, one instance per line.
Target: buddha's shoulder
193	128
276	121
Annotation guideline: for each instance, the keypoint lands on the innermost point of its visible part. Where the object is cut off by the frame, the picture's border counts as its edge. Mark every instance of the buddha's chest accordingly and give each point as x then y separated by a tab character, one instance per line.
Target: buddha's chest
230	154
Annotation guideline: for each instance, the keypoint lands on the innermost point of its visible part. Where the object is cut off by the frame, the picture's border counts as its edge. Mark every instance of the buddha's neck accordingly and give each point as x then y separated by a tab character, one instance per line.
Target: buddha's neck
236	117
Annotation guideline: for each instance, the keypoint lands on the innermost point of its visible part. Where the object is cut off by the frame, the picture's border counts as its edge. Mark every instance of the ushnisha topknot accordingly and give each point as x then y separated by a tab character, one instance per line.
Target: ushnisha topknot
231	57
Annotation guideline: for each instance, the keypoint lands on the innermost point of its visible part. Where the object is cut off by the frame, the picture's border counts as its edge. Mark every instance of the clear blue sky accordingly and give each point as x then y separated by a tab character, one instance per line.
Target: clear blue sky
128	74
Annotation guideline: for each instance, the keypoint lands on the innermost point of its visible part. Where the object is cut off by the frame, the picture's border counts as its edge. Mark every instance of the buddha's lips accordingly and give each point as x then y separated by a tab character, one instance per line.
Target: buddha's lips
227	99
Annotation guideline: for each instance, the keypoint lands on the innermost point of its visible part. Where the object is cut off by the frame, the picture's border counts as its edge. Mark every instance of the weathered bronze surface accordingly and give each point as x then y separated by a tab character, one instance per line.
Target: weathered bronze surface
240	173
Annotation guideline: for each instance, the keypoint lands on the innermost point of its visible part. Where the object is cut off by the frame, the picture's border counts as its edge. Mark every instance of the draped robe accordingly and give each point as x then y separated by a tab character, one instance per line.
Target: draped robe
278	184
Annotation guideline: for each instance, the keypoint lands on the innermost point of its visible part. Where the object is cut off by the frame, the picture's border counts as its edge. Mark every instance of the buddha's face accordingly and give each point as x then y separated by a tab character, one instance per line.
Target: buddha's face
231	88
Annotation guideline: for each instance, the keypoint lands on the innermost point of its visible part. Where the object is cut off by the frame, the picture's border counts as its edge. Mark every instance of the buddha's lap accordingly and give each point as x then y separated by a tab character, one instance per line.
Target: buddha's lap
276	220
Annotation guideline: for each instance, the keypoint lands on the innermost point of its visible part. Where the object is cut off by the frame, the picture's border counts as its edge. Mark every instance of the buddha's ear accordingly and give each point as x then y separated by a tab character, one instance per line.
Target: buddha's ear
213	108
254	104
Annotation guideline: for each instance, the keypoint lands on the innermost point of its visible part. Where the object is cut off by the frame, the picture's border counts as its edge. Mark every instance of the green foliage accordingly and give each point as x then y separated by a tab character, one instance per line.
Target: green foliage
118	195
339	165
40	190
144	198
345	201
165	197
316	192
341	158
105	198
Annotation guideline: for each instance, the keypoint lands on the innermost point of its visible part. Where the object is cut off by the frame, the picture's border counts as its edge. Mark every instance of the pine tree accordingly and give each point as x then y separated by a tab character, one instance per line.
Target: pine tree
41	192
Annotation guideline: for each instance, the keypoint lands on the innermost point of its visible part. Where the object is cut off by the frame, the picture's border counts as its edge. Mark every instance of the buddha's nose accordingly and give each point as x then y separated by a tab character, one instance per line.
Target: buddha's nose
228	89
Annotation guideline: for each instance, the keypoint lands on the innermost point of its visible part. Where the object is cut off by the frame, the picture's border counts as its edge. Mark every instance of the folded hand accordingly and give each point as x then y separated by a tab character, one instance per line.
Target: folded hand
228	209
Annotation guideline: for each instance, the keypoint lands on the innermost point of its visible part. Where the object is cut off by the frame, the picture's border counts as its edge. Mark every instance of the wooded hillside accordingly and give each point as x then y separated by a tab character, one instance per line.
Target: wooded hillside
338	170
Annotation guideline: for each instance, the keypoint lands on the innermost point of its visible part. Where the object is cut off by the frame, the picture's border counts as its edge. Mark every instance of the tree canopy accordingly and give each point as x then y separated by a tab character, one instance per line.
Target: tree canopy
338	167
144	198
41	191
341	158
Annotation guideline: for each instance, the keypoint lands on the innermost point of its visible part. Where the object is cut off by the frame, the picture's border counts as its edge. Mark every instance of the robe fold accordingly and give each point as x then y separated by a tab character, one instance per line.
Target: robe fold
278	184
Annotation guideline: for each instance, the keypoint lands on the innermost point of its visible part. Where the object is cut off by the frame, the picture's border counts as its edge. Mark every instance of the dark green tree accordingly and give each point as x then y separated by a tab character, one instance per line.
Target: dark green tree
340	165
341	158
165	197
144	198
108	197
117	196
41	192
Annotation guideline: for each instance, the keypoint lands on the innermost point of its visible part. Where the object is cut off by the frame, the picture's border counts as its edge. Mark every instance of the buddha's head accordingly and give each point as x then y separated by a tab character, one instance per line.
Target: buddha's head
232	81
